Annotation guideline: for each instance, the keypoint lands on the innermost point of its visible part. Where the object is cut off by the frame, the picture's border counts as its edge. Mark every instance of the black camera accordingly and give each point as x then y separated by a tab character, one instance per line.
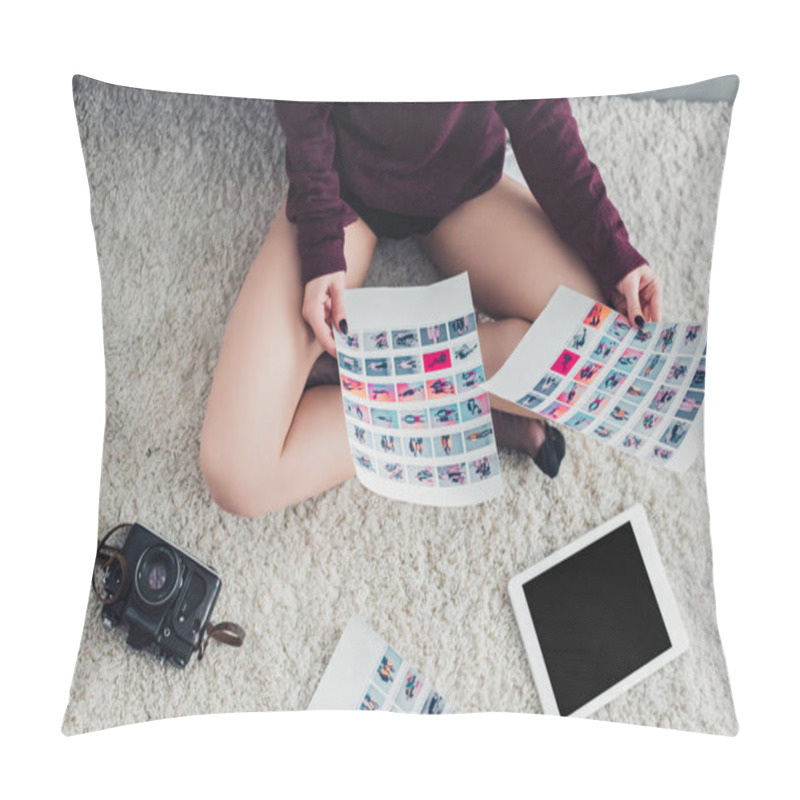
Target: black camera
163	595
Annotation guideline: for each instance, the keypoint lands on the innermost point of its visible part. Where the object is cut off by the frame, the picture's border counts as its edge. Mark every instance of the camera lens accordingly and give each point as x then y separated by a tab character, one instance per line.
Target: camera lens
157	575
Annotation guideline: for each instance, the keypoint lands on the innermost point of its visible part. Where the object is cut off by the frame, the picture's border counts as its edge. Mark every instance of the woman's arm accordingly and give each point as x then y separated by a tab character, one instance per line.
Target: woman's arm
568	186
313	205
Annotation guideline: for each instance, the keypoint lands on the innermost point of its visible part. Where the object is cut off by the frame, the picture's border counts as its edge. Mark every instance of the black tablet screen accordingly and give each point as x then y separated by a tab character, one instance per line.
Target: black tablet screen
596	618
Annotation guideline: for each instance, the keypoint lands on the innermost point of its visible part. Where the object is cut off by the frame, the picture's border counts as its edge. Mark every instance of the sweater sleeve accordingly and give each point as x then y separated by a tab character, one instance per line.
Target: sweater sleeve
568	186
313	203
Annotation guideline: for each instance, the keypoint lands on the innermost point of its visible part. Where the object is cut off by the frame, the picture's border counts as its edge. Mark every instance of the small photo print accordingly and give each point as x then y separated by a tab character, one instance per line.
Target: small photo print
530	400
475	407
647	423
409	392
554	410
571	393
690	405
384	418
387	667
622	412
407	365
579	421
604	349
663	398
597	402
353	387
439	359
360	435
547	384
453	475
421	476
381	392
356	410
674	433
373	700
588	372
433	334
483	468
479	437
579	339
410	690
564	363
364	461
619	328
461	326
645	333
666	339
691	338
652	366
376	340
434	704
660	454
448	444
350	363
440	387
378	366
605	431
418	447
612	381
678	369
350	341
596	315
638	390
628	359
699	378
470	379
466	350
405	338
631	442
393	472
444	415
415	419
388	443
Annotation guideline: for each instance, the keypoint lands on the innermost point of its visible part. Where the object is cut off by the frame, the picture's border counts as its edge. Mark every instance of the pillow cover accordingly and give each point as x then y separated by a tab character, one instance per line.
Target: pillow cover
183	190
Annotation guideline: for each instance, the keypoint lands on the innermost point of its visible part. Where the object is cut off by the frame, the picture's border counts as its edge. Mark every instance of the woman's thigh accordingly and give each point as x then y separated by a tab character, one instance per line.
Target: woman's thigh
514	257
266	355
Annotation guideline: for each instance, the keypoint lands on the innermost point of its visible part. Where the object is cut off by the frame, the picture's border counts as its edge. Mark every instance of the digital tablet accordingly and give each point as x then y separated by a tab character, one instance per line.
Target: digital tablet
597	616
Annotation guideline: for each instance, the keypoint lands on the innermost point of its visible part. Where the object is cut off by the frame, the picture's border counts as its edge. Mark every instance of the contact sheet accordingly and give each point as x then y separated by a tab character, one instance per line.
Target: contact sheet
413	387
639	390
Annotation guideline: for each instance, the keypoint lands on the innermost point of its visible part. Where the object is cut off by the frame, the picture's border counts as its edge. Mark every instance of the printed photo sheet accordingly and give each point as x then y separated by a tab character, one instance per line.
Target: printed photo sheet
366	674
415	405
639	390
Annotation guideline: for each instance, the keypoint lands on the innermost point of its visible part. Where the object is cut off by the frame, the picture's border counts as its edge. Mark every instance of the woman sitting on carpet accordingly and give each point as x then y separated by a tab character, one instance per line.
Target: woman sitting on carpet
273	434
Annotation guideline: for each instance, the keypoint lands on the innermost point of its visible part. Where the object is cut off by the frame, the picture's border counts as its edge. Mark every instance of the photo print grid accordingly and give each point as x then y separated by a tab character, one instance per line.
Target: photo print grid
416	410
640	390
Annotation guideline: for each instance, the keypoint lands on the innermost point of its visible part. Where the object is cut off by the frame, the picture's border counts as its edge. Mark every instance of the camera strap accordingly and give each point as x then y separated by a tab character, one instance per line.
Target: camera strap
224	632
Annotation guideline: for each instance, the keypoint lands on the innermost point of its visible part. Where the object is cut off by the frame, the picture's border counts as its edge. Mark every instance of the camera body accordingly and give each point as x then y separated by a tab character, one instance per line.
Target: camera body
164	596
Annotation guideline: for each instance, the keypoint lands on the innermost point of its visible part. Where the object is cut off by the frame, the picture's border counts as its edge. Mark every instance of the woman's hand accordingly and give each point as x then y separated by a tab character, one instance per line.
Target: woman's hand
323	306
638	296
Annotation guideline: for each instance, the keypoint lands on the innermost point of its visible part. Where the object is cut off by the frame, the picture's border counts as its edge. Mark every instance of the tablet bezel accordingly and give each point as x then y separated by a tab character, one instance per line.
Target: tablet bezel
665	598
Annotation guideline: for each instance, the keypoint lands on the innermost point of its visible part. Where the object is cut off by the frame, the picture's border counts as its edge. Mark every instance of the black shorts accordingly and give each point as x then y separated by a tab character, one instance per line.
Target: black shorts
386	224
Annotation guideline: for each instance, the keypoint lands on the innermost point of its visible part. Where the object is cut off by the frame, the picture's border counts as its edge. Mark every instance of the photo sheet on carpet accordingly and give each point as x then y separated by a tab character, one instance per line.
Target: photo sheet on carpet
404	407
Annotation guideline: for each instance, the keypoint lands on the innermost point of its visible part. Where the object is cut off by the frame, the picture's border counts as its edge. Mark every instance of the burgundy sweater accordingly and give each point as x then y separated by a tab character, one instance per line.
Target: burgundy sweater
425	159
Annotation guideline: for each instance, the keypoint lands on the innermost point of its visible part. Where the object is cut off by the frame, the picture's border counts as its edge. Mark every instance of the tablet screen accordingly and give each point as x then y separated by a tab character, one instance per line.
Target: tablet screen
596	617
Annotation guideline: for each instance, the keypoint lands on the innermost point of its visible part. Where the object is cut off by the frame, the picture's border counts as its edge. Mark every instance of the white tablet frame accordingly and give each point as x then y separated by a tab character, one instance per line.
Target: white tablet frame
661	588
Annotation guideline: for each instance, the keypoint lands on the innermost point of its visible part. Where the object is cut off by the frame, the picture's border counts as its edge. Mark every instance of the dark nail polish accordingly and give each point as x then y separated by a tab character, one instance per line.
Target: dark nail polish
343	326
639	320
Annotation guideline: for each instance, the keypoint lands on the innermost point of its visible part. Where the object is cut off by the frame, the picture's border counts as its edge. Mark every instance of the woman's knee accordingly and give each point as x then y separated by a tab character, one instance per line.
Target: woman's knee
238	485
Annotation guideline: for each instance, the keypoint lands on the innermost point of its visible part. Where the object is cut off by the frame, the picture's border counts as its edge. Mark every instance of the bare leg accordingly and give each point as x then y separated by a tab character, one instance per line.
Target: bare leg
516	261
267	443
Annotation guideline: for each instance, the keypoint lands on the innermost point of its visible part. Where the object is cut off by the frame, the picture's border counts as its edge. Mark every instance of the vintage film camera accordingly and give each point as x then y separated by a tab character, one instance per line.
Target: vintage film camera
163	595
